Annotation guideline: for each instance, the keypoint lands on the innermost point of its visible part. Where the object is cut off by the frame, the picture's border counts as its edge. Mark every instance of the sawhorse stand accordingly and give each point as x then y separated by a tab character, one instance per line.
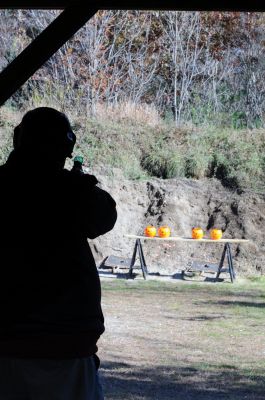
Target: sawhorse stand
228	254
138	249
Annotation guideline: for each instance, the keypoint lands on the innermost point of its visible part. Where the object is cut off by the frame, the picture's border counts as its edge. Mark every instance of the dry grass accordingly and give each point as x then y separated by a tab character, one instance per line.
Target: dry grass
183	340
129	112
8	120
134	138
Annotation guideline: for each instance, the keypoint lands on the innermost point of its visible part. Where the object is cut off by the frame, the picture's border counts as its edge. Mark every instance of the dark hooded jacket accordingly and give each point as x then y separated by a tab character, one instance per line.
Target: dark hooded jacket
50	290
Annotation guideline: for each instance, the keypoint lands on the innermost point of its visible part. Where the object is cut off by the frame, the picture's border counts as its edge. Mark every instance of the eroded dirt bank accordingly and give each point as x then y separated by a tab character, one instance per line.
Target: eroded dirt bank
182	204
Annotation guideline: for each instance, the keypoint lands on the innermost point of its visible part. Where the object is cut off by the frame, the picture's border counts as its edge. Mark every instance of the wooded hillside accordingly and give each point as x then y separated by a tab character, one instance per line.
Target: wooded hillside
164	94
191	66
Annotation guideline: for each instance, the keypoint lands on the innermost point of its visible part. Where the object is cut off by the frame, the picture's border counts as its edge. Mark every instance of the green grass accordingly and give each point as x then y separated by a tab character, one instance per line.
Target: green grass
143	147
252	286
184	340
236	157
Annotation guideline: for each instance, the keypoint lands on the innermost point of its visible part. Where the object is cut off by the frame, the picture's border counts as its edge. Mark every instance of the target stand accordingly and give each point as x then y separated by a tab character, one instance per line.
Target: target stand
228	254
138	250
205	267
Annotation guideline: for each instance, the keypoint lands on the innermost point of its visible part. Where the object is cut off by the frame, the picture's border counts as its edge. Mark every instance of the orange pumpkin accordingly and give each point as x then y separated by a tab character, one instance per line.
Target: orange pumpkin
216	234
197	233
164	231
150	231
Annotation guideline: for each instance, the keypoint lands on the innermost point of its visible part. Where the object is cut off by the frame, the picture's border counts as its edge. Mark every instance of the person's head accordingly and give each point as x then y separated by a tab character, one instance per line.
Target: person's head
46	134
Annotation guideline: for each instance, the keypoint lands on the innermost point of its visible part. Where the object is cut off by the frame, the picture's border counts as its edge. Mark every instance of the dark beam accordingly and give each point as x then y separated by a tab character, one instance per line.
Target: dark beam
201	5
41	49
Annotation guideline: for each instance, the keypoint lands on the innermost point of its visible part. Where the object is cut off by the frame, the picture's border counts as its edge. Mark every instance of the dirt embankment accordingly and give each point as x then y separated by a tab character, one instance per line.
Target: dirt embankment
182	204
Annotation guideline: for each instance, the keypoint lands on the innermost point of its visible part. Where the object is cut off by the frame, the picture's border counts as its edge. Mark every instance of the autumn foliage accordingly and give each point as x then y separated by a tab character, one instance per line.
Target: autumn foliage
192	66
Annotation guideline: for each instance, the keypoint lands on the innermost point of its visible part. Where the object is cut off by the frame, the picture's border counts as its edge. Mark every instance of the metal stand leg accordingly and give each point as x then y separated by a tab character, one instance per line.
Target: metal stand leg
230	263
138	248
221	264
133	260
142	259
228	254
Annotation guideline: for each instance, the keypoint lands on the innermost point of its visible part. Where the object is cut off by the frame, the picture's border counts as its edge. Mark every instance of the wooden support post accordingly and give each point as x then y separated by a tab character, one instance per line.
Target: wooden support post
42	48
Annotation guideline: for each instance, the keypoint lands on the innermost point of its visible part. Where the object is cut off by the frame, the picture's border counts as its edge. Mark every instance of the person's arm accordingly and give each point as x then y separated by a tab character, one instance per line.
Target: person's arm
98	208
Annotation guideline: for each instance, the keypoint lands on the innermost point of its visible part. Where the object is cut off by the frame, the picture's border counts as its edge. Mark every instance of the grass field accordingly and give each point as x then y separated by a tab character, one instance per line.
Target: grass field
183	340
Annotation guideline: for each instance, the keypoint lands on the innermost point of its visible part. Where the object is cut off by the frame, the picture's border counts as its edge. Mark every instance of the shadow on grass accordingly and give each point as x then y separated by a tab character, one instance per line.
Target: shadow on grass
238	303
224	382
204	318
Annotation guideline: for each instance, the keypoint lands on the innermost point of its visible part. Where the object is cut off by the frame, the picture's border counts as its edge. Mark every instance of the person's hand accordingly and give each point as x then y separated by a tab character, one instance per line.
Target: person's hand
89	180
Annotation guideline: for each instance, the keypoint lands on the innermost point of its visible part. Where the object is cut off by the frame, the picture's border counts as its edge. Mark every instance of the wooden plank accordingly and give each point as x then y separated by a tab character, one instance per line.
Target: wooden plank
204	267
115	261
186	239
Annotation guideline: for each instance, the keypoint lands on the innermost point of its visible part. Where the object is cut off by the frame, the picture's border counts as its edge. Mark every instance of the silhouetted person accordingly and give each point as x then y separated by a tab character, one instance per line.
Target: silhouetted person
50	312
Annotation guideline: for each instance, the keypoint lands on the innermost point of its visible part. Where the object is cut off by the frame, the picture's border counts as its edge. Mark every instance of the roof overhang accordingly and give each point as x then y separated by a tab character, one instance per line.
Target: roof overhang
194	5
